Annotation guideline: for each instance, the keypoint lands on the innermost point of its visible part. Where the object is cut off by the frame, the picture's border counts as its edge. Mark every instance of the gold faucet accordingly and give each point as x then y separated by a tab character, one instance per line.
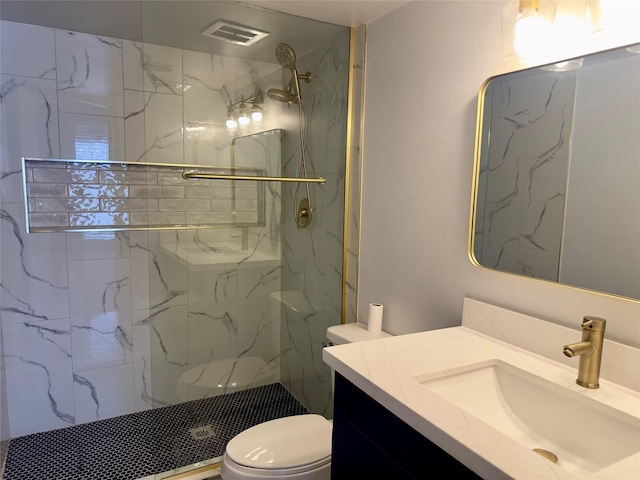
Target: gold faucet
590	351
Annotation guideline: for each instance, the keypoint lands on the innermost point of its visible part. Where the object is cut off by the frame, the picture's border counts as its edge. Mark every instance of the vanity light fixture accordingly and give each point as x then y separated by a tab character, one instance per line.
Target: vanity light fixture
245	112
526	29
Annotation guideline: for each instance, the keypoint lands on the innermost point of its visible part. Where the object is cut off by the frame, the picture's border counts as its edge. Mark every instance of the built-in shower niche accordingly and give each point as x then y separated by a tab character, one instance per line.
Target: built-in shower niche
73	195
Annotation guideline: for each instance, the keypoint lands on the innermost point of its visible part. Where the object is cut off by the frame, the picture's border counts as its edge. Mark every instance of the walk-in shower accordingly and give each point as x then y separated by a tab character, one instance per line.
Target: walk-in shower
136	283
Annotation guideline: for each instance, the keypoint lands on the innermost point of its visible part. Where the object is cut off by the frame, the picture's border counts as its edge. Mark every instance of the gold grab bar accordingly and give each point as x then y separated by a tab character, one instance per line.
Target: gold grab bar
213	176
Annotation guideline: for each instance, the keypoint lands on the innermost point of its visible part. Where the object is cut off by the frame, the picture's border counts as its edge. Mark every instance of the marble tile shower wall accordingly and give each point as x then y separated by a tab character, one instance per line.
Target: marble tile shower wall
82	312
528	159
312	267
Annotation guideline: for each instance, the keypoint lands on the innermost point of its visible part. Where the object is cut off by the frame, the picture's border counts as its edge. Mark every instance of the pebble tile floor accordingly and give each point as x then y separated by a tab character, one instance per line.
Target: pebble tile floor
145	443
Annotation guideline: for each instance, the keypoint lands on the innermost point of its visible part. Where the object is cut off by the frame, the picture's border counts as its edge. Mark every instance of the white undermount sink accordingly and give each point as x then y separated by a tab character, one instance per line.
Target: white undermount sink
585	435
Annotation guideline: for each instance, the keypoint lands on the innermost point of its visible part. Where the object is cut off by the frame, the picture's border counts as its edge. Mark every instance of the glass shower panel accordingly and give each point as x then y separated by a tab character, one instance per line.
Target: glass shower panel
234	308
212	325
312	276
98	324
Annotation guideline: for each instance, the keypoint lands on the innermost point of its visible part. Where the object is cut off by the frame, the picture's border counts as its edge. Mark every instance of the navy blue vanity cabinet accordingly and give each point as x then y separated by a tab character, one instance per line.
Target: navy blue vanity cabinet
371	442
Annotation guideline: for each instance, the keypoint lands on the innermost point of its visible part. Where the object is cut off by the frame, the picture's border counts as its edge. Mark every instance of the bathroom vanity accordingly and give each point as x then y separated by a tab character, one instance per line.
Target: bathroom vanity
371	442
494	398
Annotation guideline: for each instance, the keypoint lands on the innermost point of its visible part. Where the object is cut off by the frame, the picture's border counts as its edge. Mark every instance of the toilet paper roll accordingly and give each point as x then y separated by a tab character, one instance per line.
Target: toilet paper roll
374	323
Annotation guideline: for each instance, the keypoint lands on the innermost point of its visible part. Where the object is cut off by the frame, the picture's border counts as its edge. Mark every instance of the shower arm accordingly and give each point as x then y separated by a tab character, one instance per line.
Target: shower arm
303	76
296	77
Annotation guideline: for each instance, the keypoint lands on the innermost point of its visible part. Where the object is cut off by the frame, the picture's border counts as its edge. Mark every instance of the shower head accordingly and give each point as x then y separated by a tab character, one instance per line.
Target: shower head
281	95
286	56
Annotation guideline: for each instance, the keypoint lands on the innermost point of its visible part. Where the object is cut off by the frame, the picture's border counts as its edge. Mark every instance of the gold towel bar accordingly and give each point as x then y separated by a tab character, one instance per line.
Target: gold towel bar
213	176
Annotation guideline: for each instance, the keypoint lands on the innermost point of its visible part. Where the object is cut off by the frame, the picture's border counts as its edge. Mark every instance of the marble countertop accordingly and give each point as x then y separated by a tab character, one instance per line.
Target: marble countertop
386	369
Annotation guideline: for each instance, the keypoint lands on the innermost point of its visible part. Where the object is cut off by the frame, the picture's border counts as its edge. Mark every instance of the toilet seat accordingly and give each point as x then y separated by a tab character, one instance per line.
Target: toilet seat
297	447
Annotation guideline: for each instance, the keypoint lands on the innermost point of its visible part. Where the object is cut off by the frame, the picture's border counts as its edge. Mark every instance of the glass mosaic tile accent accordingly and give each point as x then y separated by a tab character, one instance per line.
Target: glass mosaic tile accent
71	195
146	443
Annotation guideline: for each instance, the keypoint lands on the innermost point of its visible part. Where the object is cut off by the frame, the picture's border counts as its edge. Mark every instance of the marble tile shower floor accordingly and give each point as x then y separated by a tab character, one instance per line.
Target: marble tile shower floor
146	443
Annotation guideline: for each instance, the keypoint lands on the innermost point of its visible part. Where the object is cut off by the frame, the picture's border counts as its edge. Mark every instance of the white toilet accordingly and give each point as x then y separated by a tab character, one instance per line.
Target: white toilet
292	448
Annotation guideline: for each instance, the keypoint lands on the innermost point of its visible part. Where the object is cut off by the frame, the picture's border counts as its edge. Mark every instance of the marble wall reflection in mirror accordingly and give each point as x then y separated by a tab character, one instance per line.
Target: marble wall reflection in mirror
557	175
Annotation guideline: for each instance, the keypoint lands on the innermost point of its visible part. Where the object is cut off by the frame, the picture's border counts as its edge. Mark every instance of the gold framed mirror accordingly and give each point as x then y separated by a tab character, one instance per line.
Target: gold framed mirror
556	192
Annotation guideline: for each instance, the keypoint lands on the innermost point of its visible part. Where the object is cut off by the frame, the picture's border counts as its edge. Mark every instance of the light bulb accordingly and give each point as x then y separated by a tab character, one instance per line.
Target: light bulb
256	115
231	120
526	29
531	34
243	118
527	33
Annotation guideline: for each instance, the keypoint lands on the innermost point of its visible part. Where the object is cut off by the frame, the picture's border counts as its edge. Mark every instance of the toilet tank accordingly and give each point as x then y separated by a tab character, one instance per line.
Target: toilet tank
352	332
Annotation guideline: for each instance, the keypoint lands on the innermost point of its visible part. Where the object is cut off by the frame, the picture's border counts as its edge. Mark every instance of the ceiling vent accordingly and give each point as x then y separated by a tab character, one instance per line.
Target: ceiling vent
234	33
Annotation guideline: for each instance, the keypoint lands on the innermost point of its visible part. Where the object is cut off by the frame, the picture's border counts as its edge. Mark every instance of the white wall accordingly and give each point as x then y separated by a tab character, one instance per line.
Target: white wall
425	64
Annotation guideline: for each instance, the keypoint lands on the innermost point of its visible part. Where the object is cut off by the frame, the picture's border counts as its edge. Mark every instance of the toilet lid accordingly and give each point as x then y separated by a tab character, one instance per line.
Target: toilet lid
283	443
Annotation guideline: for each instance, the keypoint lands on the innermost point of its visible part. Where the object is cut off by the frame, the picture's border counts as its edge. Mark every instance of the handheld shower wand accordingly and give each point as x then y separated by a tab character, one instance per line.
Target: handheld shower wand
286	57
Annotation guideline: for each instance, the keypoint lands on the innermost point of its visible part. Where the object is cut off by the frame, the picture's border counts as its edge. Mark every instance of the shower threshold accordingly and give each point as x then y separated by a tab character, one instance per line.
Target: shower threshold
211	471
153	444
